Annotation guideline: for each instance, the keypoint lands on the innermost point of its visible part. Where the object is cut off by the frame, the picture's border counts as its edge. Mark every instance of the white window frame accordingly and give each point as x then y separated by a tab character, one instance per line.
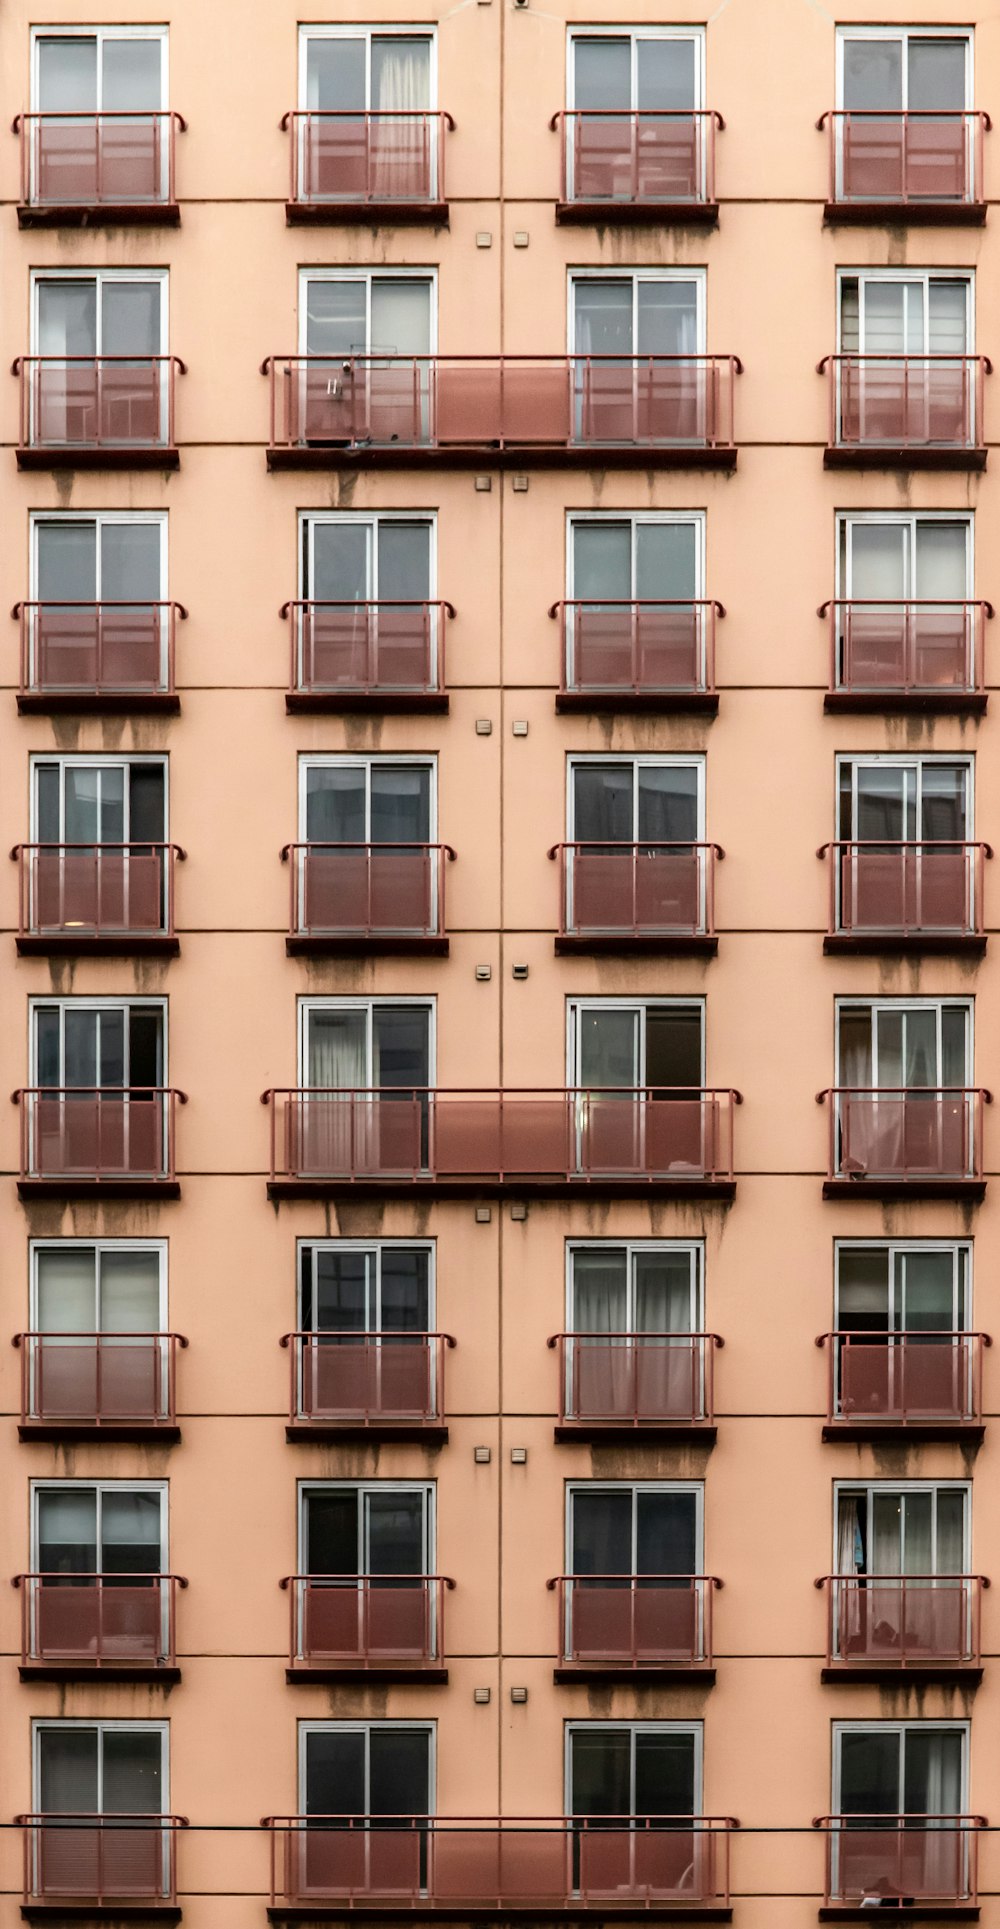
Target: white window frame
368	276
373	1249
870	1488
94	760
634	520
577	1005
307	1005
903	35
51	1483
636	760
362	1488
372	520
697	276
368	761
907	760
632	1249
925	276
309	1727
634	34
102	1727
100	34
102	277
696	1729
840	1728
38	1248
903	1003
394	30
98	520
848	520
960	1251
62	1005
635	1488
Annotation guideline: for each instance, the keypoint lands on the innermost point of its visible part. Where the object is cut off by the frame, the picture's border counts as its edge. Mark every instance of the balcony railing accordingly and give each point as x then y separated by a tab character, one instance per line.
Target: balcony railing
86	652
926	164
638	652
378	652
98	1135
98	1382
647	163
90	896
912	1860
468	1137
73	1858
423	1864
117	164
349	164
909	409
103	1622
929	652
659	893
368	1380
927	892
635	1381
635	1621
633	408
904	1380
906	1135
97	410
362	1623
367	894
890	1622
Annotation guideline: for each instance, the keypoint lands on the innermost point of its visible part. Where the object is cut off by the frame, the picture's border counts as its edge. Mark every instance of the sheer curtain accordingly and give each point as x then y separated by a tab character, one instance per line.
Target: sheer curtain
402	157
599	1370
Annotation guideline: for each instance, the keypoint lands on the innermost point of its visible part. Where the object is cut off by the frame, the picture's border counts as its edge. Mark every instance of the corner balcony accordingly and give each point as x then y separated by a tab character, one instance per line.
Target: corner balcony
632	1627
84	1140
651	897
368	1386
102	900
363	900
349	1627
340	1144
97	411
902	166
906	411
100	1867
919	1385
381	657
921	1627
649	165
99	1386
635	1386
76	1626
656	656
921	656
97	657
98	170
913	897
459	411
923	1867
672	1868
350	166
905	1142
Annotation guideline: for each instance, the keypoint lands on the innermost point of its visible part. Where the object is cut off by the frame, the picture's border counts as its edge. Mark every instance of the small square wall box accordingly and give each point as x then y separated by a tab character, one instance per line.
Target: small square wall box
481	1456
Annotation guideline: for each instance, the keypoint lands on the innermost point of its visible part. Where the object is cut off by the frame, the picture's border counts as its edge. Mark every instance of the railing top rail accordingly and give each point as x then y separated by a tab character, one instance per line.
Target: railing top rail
349	844
365	114
493	1091
906	844
106	603
709	1580
583	1333
117	1334
905	1091
636	114
904	114
125	1818
101	114
865	355
368	603
134	844
100	1091
571	1822
904	1333
139	359
120	1580
901	1820
351	1580
271	362
869	1580
640	844
380	1333
637	603
865	603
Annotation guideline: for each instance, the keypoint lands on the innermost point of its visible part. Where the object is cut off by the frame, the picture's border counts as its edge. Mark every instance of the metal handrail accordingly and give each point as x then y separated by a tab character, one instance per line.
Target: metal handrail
365	114
709	1580
495	1091
906	844
345	844
134	361
902	1333
366	603
636	603
623	1334
352	1580
905	603
907	1091
902	355
122	1580
379	1333
116	1334
637	844
904	113
110	1091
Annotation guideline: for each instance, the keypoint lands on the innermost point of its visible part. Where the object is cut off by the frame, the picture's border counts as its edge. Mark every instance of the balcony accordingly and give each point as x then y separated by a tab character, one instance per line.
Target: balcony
914	897
925	1865
633	1386
457	411
103	657
350	166
921	1626
357	900
368	1386
389	1628
905	1142
98	1386
672	1867
922	656
97	411
117	1626
87	1139
920	1385
113	1867
648	165
615	1627
98	170
657	656
651	897
381	657
906	411
105	900
893	165
340	1143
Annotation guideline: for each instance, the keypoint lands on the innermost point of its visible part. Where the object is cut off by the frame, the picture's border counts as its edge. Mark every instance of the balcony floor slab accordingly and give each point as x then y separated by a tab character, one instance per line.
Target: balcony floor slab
612	455
623	943
401	1186
107	1671
894	1191
366	214
37	1911
76	1188
417	1674
374	703
891	457
89	703
610	1433
660	703
479	1911
619	214
83	946
355	1433
116	1432
654	1673
889	1675
124	214
938	944
930	703
118	459
321	945
917	1912
909	214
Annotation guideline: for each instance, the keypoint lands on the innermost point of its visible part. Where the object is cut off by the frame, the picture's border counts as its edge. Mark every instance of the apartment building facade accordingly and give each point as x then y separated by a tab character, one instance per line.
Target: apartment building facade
498	1228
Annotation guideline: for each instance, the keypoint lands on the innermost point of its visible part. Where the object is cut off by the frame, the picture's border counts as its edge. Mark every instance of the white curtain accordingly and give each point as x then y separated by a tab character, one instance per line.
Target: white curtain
66	1293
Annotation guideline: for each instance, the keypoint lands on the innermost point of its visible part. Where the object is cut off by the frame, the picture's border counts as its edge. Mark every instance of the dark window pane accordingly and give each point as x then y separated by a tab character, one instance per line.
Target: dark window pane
600	1771
335	1772
399	1771
332	1531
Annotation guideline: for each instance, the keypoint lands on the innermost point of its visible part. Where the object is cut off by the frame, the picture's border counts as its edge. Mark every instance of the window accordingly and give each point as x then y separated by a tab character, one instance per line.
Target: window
115	312
623	1044
625	1529
644	1769
627	800
370	70
918	1044
909	799
903	1288
635	1288
926	558
654	312
114	558
97	800
364	1044
101	1768
348	1288
91	1043
886	1530
366	1768
100	70
368	800
99	371
900	1768
377	1530
635	558
368	559
111	1287
350	312
115	1529
903	68
640	69
906	312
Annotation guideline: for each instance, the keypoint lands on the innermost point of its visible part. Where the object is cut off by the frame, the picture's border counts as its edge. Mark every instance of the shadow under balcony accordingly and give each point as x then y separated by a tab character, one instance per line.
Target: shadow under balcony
916	1385
110	1868
648	165
368	1386
589	411
100	658
636	1386
925	657
99	900
383	657
917	897
905	1142
120	1627
914	1627
81	1141
634	1627
97	411
906	411
106	170
657	656
336	1144
361	900
904	167
99	1386
923	1867
349	166
635	898
358	1627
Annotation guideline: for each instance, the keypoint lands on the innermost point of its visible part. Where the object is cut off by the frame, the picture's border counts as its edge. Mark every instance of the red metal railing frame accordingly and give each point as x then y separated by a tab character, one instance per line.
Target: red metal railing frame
847	850
703	854
25	855
435	123
630	1346
976	612
33	125
974	120
699	1587
838	1589
169	1097
836	1342
961	1825
436	1344
365	1652
298	610
706	121
977	1094
32	1345
31	683
297	856
28	367
705	610
163	1585
973	367
36	1825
